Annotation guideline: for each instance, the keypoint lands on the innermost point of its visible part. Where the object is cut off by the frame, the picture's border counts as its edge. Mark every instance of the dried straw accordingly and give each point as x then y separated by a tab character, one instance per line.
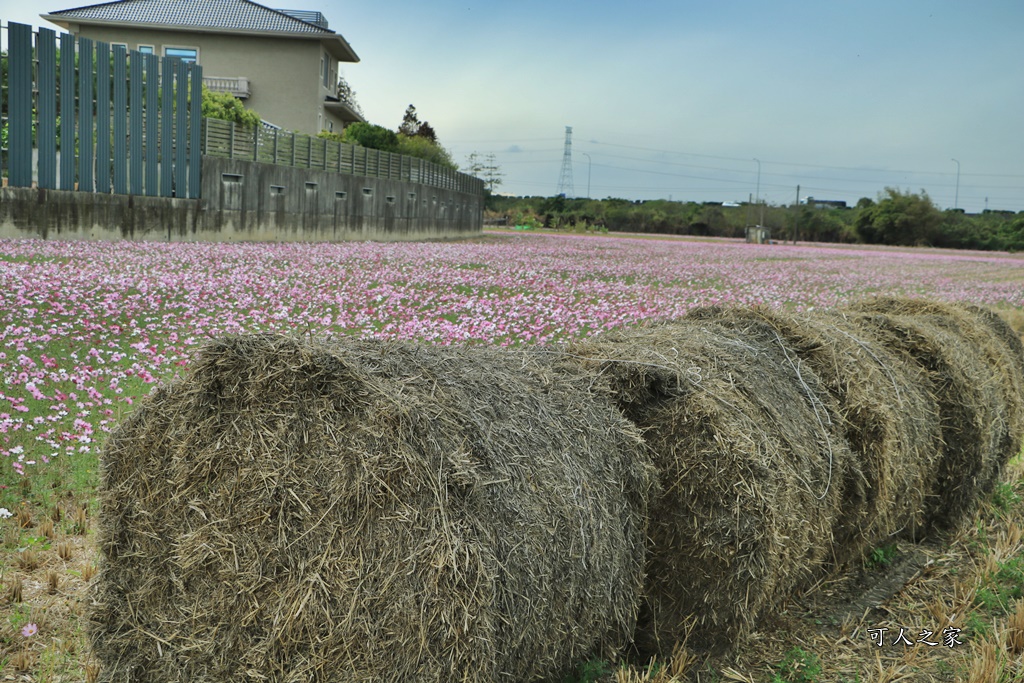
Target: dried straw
885	412
752	467
974	373
296	511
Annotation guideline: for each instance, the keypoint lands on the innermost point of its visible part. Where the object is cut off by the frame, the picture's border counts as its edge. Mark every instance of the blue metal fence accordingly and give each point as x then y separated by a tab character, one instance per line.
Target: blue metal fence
92	117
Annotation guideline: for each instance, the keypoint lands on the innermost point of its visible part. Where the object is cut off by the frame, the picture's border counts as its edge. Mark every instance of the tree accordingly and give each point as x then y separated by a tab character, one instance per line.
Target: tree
426	131
372	136
410	122
485	167
422	148
227	107
412	127
378	137
818	224
1012	234
899	218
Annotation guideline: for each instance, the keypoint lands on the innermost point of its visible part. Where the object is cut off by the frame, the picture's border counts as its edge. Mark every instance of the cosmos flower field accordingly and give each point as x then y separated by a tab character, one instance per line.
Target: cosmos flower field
86	328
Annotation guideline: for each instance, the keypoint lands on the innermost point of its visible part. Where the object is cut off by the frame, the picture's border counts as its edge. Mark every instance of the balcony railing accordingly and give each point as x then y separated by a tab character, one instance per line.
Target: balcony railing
239	87
308	16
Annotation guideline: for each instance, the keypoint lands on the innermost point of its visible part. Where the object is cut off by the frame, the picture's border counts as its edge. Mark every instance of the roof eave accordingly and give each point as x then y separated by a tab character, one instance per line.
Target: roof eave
334	42
340	49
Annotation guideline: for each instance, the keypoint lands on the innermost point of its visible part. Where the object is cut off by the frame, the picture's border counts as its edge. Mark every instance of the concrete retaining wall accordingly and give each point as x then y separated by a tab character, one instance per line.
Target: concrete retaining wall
247	201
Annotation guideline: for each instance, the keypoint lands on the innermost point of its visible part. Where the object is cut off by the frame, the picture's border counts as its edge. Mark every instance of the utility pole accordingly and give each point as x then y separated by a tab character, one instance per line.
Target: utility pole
956	199
796	222
589	164
758	193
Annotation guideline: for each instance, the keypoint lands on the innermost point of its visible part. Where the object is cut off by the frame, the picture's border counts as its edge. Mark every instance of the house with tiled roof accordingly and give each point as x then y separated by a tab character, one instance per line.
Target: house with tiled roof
282	63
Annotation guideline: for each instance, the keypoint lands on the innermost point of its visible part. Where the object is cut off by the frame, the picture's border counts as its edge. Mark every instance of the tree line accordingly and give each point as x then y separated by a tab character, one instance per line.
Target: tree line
413	138
895	217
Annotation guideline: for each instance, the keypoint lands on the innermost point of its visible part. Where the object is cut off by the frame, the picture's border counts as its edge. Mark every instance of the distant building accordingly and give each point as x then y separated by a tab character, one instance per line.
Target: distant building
825	203
283	63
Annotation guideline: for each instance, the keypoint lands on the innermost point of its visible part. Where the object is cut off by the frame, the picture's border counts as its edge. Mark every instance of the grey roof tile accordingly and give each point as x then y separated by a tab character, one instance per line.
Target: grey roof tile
238	15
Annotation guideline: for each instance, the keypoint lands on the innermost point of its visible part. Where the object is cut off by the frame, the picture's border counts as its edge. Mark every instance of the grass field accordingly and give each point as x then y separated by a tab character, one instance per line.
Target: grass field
89	328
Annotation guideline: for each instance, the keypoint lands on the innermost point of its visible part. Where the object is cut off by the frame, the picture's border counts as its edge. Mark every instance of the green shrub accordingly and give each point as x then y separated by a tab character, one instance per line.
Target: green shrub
370	135
422	148
227	107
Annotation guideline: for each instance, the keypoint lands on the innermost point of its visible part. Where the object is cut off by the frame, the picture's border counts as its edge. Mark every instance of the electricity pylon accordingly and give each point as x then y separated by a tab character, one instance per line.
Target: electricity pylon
565	178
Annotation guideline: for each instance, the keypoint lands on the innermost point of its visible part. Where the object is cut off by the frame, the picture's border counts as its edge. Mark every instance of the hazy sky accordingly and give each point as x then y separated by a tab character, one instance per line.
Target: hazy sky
677	99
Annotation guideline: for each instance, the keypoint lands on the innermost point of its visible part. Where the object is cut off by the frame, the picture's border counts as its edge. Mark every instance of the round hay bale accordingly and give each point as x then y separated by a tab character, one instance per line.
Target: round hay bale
359	511
885	413
959	354
999	345
1012	369
751	473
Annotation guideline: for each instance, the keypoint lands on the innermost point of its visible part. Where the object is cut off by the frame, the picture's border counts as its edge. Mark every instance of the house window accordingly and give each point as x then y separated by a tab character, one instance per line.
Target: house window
186	54
325	70
124	45
146	49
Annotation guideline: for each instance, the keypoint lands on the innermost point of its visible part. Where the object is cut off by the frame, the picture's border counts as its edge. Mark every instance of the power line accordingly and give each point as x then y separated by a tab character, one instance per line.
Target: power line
807	165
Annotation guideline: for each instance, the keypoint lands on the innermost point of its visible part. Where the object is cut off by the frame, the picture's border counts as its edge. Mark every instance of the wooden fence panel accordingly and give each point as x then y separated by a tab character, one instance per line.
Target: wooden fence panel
224	139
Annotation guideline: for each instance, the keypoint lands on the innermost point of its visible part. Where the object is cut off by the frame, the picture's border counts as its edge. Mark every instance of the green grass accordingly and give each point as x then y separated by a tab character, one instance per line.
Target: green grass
976	626
882	556
1000	590
798	666
590	671
1005	496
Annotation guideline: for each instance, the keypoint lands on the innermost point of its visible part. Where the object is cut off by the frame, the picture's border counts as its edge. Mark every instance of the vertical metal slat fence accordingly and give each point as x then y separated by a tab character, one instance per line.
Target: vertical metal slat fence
98	118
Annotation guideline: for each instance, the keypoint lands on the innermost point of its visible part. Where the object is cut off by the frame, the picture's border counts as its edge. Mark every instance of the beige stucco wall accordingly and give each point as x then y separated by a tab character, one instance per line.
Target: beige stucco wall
284	73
